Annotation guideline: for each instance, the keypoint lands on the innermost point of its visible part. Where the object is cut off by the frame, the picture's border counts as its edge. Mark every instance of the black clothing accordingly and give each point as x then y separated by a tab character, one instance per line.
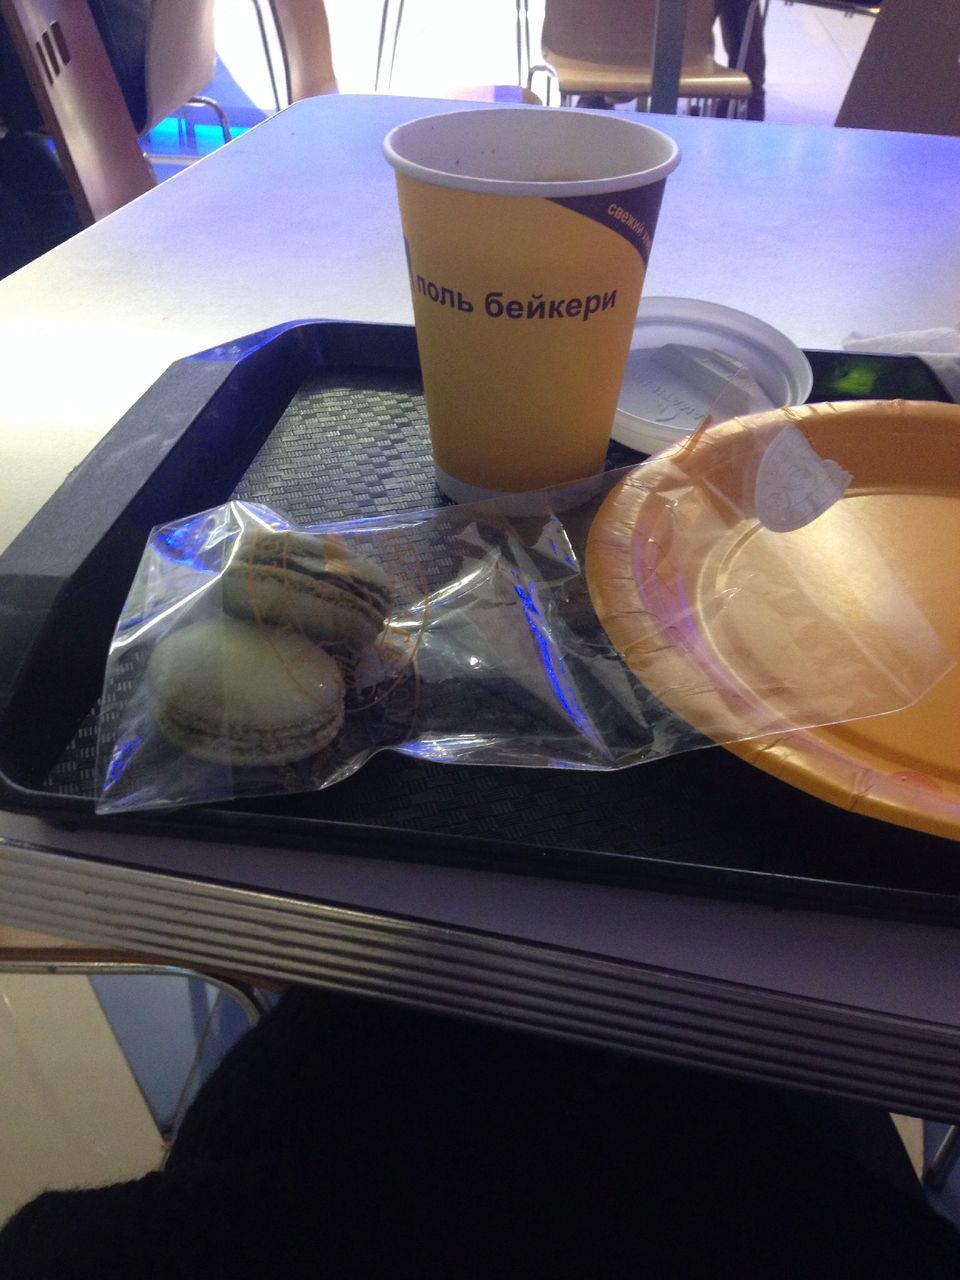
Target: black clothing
36	209
347	1138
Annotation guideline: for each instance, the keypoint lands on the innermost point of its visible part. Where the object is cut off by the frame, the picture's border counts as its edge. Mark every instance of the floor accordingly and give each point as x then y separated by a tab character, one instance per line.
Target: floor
142	1045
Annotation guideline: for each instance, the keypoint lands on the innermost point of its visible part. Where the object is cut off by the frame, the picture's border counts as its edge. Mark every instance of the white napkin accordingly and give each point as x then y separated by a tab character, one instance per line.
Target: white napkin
940	348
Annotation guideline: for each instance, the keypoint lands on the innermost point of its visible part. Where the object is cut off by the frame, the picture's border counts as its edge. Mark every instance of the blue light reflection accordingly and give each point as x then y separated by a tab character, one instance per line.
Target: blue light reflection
119	759
188	543
553	665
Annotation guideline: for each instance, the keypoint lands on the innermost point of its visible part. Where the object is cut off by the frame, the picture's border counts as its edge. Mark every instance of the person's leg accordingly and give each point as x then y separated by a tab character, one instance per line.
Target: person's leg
18	240
733	18
18	107
37	212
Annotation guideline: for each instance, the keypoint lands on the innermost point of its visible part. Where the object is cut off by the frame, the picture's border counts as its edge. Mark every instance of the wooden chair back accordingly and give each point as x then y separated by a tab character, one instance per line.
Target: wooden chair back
181	55
305	41
620	32
607	47
81	104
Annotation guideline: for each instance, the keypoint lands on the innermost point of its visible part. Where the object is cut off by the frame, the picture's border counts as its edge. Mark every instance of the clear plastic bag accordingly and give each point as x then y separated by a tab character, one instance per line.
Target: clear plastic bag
487	647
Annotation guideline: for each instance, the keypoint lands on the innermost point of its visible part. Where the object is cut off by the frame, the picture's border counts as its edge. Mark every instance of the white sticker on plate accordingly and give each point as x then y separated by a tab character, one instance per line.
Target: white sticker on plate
794	484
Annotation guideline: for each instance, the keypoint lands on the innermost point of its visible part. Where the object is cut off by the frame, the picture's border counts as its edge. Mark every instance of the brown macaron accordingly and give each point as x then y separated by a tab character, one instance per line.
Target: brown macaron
309	582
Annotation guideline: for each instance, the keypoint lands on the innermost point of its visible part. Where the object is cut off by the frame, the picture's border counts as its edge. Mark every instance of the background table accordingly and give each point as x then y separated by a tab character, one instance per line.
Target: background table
817	231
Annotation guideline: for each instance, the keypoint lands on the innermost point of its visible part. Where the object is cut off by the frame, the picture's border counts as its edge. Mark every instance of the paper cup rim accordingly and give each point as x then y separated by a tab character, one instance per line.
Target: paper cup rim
545	189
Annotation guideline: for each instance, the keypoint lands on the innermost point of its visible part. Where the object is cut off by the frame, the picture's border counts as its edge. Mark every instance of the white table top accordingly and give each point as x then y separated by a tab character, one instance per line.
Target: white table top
817	231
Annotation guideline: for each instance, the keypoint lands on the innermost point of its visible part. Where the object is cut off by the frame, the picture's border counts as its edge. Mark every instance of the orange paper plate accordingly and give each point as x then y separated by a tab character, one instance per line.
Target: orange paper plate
904	766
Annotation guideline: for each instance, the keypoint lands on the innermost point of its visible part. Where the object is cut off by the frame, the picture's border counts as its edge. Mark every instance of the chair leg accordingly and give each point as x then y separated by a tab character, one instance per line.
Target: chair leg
381	43
218	111
252	1008
524	54
396	41
552	78
268	57
519	42
940	1167
668	37
384	15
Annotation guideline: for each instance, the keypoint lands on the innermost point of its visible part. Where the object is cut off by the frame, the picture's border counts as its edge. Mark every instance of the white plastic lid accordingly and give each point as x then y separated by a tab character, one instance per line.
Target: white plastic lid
682	354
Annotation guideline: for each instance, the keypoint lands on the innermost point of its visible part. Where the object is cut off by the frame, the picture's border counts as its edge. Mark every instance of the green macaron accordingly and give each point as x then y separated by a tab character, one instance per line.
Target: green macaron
309	582
233	693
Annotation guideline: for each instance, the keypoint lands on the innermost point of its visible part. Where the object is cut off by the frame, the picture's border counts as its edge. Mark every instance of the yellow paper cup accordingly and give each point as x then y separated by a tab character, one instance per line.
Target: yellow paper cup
527	233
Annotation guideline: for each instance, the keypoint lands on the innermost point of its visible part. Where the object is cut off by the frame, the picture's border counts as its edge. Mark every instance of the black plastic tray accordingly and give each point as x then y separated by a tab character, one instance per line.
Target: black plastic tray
322	421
